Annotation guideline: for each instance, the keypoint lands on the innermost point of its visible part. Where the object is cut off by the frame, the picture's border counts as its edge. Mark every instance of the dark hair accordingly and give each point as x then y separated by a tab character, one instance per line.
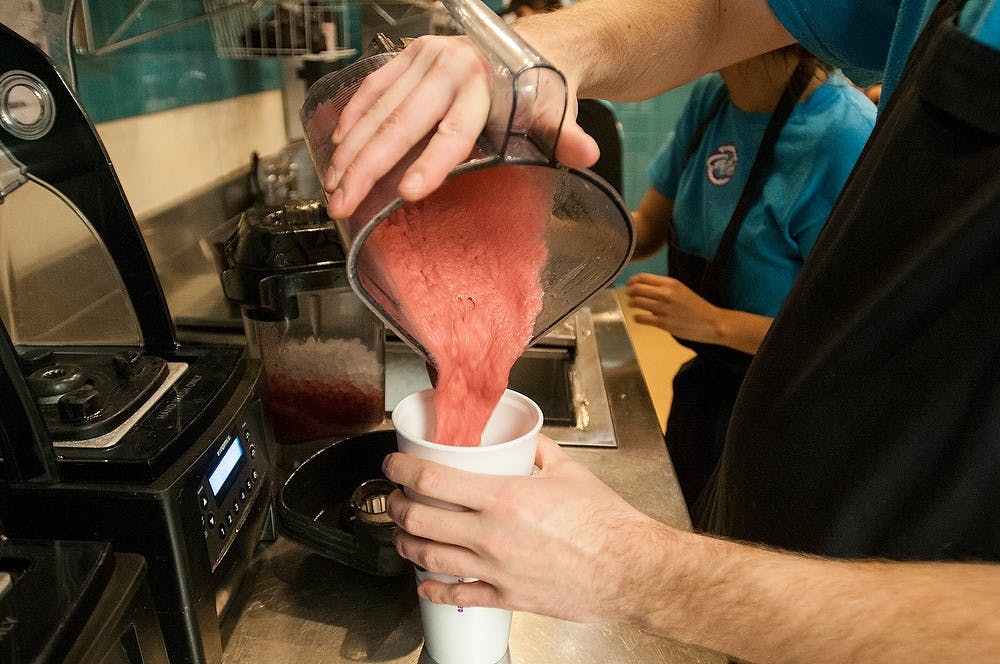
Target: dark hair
799	51
537	5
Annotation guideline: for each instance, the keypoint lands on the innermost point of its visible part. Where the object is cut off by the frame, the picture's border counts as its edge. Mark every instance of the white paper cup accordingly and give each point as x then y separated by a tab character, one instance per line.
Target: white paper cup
472	635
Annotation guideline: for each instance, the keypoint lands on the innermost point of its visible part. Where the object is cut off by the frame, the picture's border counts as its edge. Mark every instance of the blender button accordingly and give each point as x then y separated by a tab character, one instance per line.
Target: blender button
206	533
222	532
229	518
253	473
243	495
236	506
253	451
204	500
249	484
211	520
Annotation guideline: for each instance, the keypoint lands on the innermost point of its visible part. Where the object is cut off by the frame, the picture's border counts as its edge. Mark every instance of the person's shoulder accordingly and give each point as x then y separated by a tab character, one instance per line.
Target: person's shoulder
980	19
838	123
838	103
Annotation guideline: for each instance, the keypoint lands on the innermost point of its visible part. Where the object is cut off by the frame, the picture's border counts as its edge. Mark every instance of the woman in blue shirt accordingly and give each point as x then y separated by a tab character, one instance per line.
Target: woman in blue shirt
722	169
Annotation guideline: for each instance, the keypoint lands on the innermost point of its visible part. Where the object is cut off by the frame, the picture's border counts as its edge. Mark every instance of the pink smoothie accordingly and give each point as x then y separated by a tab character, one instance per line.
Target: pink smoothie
464	266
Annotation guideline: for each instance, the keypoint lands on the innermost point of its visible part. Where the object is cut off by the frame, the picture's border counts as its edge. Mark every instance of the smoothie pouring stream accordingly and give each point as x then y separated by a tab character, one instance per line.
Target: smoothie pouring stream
466	265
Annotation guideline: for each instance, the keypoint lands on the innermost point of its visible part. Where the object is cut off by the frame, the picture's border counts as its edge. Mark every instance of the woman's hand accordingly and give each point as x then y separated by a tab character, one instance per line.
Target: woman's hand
668	304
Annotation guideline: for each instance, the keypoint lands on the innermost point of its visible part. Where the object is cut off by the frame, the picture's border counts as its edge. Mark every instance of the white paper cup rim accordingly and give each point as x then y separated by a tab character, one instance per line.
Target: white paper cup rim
509	394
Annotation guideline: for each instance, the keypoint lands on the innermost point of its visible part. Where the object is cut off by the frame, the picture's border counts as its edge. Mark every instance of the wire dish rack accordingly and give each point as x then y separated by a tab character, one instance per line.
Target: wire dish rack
308	29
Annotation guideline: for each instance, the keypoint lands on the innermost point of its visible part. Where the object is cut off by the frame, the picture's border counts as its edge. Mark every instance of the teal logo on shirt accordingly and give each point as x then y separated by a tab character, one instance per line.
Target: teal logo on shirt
721	164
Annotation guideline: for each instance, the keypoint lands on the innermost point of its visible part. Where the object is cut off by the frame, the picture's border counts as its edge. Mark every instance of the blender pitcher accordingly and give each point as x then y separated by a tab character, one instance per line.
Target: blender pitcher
320	346
511	174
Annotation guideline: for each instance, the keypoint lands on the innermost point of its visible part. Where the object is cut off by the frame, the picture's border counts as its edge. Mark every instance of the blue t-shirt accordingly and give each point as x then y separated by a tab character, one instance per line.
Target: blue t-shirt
815	153
871	39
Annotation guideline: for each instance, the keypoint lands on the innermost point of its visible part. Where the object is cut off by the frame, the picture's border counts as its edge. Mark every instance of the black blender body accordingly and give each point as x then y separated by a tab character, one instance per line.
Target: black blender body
64	601
157	448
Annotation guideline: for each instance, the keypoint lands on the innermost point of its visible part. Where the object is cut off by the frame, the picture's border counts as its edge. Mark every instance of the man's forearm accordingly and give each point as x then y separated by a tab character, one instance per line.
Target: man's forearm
768	606
630	50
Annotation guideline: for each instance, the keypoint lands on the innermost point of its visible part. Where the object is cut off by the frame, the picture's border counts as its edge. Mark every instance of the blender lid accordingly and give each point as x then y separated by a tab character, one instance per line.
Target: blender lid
277	253
294	236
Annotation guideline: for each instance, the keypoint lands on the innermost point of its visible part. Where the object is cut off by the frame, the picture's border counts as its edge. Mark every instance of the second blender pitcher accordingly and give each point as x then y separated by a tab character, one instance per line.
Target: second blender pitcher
321	347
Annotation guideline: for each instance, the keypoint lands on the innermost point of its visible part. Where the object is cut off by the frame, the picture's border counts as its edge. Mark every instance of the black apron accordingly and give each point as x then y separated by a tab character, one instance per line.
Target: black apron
869	422
705	387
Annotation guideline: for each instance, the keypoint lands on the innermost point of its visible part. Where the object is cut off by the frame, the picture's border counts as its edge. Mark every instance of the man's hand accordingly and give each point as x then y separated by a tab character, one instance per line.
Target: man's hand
435	83
437	86
559	543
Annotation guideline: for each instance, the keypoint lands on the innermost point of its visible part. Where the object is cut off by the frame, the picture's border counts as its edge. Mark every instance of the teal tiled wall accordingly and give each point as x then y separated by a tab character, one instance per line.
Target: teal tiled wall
178	68
645	126
121	85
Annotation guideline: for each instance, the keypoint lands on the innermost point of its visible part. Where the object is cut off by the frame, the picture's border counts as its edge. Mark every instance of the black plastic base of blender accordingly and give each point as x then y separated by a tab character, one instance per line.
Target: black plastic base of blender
314	505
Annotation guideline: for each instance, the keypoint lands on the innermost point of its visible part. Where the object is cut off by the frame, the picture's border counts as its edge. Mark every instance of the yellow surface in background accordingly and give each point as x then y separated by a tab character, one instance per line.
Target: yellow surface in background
660	356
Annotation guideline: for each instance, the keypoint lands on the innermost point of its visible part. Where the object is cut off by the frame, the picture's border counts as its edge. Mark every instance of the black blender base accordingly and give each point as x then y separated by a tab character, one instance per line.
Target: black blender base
324	507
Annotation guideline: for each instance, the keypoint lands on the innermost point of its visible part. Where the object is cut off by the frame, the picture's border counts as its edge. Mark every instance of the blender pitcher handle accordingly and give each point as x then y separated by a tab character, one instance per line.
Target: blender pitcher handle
529	94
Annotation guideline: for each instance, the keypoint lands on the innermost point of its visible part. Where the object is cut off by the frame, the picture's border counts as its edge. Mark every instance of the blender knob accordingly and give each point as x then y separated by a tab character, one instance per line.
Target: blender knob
81	403
30	360
127	363
56	379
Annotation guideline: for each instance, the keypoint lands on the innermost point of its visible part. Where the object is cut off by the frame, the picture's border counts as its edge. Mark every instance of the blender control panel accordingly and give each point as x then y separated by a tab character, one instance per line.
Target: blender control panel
231	480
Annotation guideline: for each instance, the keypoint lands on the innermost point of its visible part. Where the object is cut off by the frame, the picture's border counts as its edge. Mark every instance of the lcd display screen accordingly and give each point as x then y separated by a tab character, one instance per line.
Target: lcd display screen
227	464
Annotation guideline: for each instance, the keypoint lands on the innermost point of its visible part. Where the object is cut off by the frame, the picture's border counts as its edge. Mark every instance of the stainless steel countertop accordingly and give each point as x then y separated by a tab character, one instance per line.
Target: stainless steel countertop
298	607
